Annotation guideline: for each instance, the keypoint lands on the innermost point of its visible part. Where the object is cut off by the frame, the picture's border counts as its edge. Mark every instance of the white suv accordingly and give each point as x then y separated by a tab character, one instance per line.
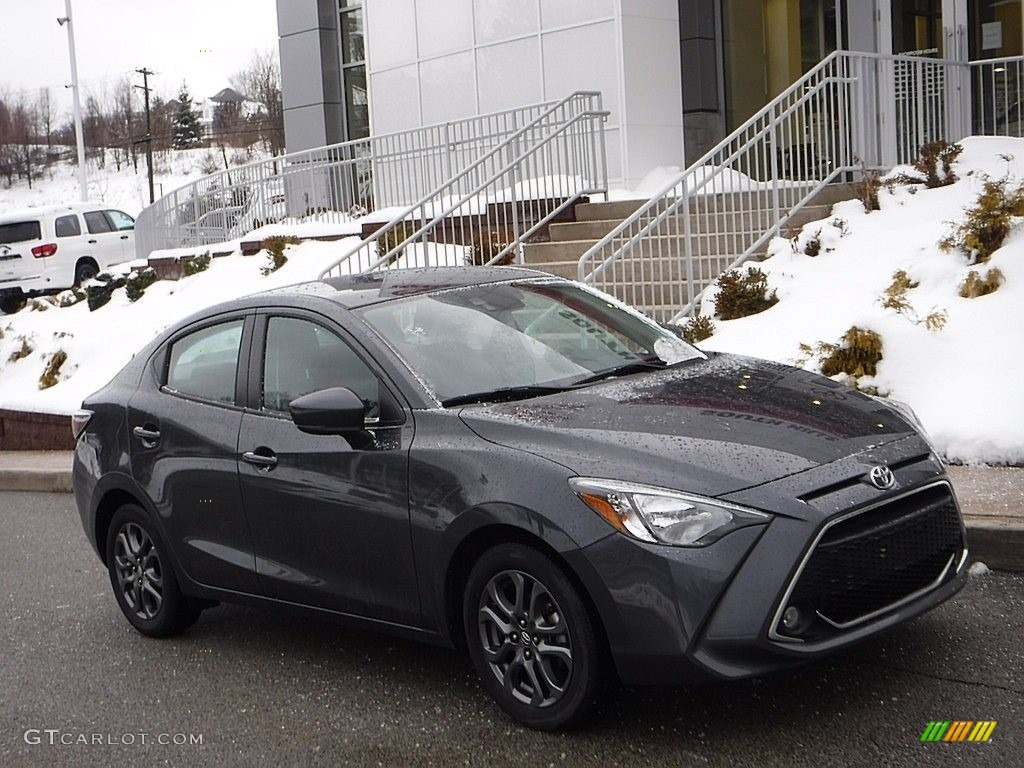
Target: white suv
45	250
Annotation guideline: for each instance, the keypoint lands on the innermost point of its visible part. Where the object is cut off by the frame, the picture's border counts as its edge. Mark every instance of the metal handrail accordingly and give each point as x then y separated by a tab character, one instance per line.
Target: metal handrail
719	211
381	171
461	212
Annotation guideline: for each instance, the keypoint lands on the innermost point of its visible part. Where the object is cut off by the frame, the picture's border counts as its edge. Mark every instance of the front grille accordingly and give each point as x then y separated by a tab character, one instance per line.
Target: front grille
874	560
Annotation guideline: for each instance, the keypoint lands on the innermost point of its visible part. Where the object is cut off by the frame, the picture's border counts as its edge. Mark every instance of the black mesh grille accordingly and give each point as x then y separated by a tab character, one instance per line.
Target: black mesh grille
877	558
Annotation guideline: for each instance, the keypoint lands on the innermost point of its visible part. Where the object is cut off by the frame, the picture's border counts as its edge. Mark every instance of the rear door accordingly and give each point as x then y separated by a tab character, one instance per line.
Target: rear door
183	423
329	514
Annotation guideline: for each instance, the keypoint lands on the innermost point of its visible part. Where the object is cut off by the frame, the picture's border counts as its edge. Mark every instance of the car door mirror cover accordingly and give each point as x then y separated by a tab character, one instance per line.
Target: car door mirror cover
333	411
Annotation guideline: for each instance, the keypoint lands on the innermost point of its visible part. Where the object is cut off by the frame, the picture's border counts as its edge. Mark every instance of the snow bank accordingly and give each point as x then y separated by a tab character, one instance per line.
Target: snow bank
962	379
98	344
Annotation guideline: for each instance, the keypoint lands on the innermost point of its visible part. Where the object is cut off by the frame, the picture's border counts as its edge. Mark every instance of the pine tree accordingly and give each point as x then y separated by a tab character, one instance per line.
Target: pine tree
186	132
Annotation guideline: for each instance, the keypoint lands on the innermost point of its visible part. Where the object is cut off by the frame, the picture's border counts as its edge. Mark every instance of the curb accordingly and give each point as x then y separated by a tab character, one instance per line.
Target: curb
1000	545
37	480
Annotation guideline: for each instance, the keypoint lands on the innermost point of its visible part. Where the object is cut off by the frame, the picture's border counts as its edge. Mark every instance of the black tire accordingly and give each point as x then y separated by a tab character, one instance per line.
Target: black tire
549	677
142	577
12	302
84	271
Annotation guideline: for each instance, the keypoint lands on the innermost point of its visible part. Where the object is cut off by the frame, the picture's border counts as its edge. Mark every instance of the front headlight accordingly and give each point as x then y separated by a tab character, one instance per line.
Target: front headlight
661	515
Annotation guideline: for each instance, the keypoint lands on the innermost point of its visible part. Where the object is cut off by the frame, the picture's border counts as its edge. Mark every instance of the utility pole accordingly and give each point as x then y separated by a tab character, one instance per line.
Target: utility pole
148	139
83	182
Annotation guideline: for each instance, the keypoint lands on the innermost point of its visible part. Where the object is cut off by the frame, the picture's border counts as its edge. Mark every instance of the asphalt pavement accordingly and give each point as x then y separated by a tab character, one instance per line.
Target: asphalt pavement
257	688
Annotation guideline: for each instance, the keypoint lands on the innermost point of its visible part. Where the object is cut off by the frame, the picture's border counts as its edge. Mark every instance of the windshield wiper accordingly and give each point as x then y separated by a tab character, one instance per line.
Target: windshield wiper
504	394
623	370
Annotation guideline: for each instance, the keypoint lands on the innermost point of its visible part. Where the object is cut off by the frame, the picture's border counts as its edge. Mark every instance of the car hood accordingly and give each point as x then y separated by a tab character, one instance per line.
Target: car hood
710	426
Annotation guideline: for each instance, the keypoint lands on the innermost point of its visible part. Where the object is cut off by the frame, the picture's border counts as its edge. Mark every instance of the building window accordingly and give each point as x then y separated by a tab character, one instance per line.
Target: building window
353	69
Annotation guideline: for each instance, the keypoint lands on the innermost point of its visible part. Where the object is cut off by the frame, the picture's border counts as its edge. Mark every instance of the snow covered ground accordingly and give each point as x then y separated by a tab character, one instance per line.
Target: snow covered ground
126	190
963	379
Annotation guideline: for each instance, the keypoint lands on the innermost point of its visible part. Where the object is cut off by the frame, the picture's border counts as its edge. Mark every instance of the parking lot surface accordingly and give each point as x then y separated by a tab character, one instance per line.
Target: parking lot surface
258	688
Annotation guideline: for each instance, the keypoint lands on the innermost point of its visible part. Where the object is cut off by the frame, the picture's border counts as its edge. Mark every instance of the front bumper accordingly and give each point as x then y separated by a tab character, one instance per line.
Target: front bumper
674	615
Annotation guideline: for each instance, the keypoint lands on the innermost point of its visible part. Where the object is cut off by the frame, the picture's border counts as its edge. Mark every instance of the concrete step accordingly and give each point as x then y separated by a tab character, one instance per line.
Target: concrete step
566	250
616	210
582	230
560	268
835	193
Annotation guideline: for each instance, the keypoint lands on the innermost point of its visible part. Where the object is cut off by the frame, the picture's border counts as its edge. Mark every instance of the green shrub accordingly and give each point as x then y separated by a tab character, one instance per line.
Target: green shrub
987	222
391	238
102	288
741	295
933	155
975	285
193	265
487	244
275	247
857	354
697	329
51	374
138	281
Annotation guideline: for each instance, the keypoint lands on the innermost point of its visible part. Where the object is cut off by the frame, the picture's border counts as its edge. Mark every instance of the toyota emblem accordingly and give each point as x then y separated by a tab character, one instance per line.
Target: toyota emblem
882	477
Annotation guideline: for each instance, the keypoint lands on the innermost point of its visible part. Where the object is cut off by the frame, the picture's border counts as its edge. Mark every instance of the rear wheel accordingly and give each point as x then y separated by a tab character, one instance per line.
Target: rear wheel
85	271
531	638
143	578
11	302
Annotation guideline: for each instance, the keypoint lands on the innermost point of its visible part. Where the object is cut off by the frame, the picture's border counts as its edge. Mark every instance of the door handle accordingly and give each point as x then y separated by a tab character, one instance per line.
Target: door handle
262	461
92	242
124	237
149	437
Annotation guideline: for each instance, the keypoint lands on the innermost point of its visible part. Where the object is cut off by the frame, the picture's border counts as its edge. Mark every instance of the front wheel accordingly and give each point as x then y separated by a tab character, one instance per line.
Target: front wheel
531	638
143	578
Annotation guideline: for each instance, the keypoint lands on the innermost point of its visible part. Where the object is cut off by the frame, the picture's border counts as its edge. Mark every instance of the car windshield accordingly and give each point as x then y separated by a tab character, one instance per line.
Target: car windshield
518	339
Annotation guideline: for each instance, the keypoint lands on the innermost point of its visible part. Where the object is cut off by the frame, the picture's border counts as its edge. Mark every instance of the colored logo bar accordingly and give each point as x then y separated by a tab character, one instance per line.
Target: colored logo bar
958	730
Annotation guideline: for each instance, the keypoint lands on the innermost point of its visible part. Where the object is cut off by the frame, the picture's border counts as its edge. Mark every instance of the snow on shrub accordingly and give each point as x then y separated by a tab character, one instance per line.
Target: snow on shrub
22	352
193	265
975	285
933	155
101	288
138	281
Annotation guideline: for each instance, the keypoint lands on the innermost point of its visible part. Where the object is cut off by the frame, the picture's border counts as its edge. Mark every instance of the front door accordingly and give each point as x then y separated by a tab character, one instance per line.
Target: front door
329	514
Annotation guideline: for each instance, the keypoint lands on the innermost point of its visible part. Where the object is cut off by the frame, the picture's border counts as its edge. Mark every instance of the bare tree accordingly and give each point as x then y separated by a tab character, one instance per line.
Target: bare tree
24	121
123	123
47	115
260	81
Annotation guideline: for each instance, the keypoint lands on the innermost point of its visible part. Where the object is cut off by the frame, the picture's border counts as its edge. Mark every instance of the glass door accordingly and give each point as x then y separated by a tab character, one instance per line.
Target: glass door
993	35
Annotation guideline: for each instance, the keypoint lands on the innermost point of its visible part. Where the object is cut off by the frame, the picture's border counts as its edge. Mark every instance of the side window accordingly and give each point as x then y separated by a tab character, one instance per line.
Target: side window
96	222
303	357
120	221
67	226
204	363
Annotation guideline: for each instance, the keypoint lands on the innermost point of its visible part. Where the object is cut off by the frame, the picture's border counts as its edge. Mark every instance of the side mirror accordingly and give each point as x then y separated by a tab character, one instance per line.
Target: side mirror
334	411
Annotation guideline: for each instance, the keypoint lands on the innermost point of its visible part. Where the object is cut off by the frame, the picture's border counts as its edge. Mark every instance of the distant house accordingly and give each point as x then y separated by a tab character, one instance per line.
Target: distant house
238	107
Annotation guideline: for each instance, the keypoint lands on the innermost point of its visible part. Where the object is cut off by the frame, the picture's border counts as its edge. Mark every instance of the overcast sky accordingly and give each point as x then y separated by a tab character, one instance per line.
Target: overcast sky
202	42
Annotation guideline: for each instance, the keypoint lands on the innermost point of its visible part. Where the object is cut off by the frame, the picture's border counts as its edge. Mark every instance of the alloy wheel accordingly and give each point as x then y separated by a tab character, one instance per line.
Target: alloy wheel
139	572
525	638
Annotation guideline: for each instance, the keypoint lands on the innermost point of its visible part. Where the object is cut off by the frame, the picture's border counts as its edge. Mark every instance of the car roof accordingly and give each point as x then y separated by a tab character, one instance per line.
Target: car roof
23	214
352	291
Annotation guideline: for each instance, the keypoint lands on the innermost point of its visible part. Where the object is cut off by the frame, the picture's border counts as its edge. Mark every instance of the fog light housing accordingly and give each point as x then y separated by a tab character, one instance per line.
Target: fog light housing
791	618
